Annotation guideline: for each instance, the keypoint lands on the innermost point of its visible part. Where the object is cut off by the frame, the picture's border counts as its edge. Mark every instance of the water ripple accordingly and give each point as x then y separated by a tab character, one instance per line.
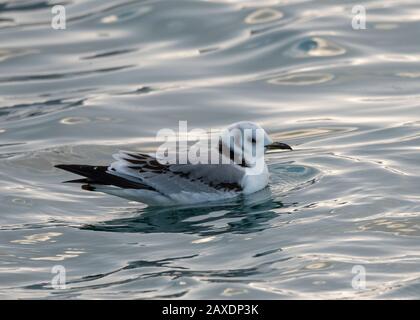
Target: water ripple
345	99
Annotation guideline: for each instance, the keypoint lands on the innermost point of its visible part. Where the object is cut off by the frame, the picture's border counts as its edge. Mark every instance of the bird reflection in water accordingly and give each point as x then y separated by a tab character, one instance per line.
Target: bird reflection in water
245	215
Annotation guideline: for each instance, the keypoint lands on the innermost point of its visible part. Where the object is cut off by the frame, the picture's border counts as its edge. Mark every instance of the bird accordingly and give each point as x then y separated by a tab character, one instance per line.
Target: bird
144	178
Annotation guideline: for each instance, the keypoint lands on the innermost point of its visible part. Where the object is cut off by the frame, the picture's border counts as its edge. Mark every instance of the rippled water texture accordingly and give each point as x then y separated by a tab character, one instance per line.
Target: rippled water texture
347	100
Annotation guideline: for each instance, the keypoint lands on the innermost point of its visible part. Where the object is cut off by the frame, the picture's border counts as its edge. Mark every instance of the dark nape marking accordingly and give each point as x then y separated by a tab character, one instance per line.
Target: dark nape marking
232	156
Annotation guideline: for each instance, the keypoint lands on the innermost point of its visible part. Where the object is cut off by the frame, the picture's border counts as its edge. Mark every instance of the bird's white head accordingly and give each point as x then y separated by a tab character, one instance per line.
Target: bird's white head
247	142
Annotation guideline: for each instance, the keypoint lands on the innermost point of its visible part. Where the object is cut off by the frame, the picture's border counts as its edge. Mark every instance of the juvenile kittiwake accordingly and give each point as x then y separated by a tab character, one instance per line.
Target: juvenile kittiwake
145	178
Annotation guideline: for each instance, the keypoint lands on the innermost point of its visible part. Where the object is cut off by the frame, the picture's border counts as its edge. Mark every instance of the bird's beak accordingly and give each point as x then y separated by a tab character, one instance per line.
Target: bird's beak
278	146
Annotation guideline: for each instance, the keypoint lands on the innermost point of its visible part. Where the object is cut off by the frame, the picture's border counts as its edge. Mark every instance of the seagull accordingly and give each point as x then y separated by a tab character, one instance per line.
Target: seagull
145	178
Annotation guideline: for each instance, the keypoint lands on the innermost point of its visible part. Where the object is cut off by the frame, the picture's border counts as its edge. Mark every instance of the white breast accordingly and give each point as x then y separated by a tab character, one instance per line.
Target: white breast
255	180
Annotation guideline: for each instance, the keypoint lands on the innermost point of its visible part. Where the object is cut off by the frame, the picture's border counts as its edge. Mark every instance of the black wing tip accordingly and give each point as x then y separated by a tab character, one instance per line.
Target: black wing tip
81	169
68	167
99	175
88	187
78	181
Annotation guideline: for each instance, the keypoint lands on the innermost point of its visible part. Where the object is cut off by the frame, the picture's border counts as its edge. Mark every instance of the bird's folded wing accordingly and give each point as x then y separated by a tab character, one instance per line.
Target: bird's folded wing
175	178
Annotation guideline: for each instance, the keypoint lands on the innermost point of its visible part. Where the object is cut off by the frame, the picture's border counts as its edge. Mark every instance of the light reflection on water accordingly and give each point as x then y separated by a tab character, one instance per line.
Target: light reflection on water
346	100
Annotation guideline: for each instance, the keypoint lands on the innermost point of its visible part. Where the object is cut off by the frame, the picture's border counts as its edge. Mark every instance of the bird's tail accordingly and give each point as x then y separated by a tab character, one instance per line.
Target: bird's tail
99	175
